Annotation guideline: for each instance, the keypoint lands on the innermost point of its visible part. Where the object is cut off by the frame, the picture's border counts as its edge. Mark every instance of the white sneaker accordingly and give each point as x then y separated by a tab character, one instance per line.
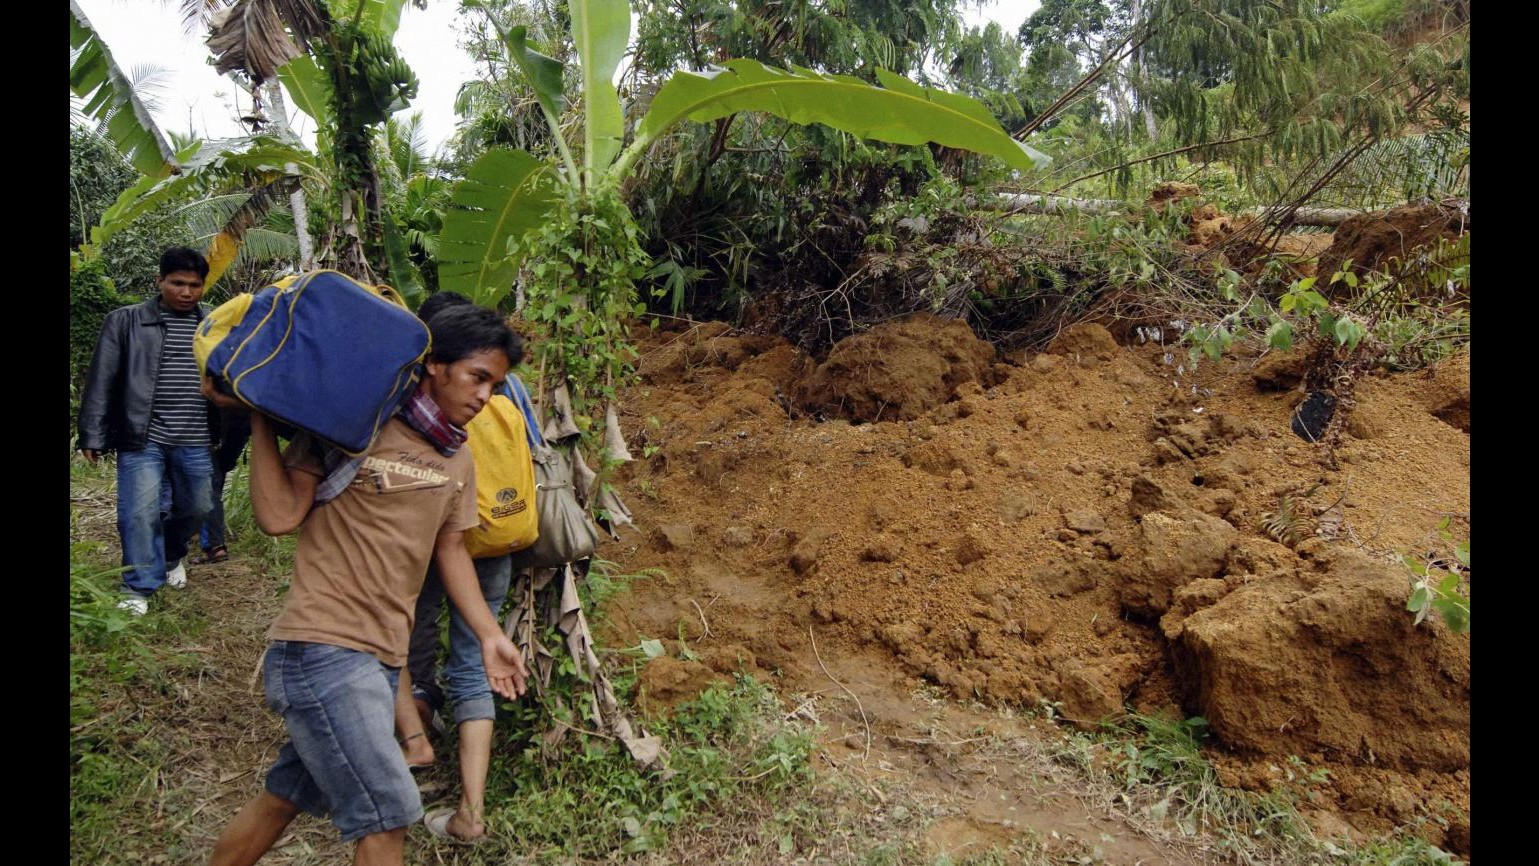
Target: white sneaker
176	577
135	605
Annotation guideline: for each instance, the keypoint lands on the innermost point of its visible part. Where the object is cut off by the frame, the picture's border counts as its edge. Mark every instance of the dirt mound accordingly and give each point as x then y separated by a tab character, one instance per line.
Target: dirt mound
1085	341
667	681
1325	661
1371	240
897	371
1209	227
1448	391
1169	191
1066	530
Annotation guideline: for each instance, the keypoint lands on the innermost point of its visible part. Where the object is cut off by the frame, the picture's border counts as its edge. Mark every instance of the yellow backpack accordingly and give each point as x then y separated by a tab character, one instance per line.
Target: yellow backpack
505	488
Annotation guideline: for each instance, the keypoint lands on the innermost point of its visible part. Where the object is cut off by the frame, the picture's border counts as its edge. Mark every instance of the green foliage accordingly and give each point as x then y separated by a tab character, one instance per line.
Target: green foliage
755	201
851	37
1163	757
899	111
113	655
97	176
92	295
309	88
110	99
600	31
582	264
1440	581
780	206
1160	767
1379	15
1410	314
274	556
95	622
505	195
591	800
207	168
125	270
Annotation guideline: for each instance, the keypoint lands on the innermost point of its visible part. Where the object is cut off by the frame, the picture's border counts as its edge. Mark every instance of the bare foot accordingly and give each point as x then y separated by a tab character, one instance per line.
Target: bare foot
465	827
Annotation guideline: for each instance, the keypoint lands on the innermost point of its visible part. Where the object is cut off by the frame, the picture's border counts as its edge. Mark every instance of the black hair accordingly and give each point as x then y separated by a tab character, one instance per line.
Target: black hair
438	302
183	259
464	329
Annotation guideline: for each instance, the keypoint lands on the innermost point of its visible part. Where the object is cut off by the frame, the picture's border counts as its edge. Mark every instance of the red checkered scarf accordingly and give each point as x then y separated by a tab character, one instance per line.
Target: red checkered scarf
426	418
422	415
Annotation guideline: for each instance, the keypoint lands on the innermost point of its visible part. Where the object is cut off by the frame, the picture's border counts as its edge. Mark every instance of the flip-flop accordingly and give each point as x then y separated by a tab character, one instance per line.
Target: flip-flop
437	823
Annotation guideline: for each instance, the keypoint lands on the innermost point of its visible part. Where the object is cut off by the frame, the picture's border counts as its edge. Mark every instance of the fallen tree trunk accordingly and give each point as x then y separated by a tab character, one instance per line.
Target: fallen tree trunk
1057	205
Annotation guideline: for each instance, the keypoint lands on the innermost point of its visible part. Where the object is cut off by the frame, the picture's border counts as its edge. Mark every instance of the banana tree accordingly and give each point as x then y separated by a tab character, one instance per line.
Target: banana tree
239	179
507	192
565	217
337	63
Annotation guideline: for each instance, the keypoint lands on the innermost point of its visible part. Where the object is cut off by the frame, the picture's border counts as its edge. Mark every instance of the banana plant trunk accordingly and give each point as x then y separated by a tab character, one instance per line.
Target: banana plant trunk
297	204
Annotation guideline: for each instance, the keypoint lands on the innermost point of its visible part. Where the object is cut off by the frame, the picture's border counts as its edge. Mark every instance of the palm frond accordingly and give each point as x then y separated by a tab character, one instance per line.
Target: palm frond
197	14
224	248
109	99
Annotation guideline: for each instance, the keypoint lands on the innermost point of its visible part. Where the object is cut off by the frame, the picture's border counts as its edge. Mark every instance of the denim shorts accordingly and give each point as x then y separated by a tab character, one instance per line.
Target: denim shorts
342	757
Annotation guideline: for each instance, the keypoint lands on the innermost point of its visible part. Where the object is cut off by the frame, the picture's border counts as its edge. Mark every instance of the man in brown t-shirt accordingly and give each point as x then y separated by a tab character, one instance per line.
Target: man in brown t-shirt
368	527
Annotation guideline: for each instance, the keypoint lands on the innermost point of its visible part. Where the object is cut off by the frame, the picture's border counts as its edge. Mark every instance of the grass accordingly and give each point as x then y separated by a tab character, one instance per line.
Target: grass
1171	790
118	665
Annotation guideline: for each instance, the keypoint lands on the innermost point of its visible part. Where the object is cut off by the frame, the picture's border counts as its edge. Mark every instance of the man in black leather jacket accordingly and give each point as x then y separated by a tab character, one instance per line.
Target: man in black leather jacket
141	400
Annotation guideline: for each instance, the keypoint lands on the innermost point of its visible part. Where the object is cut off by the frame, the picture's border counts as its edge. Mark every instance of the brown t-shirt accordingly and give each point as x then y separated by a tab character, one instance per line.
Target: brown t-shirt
362	556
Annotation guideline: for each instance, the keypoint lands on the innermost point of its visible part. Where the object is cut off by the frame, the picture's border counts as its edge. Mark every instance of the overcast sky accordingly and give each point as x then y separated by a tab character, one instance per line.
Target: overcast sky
197	100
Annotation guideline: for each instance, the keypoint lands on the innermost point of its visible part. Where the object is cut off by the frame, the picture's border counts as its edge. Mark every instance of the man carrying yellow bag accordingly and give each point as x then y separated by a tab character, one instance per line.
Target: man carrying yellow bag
505	500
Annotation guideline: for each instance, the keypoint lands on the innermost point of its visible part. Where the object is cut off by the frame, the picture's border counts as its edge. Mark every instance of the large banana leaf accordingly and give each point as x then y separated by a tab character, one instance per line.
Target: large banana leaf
543	73
901	112
544	76
380	16
109	97
404	277
309	87
600	29
504	195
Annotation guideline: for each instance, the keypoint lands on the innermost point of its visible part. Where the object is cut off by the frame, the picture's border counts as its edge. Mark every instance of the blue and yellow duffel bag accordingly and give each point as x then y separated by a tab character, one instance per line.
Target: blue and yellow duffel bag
320	352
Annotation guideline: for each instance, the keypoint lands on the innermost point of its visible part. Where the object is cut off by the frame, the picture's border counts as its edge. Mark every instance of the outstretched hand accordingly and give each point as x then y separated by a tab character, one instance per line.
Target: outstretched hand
505	670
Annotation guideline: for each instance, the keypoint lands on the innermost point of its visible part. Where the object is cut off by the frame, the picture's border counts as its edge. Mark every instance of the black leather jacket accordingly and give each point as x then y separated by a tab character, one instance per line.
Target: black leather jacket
120	383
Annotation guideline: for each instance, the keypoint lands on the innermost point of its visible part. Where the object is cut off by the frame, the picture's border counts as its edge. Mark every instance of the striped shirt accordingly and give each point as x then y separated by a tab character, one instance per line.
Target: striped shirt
179	414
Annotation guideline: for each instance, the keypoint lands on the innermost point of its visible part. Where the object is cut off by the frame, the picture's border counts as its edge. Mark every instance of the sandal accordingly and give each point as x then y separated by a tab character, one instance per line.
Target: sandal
218	554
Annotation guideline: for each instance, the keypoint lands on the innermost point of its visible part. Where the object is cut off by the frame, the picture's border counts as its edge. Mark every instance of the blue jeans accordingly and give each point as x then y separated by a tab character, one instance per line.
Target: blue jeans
212	534
465	674
342	758
150	542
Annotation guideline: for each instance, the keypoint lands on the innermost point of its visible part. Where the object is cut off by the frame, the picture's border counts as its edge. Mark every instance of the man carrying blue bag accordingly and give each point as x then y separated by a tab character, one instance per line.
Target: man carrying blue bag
368	526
